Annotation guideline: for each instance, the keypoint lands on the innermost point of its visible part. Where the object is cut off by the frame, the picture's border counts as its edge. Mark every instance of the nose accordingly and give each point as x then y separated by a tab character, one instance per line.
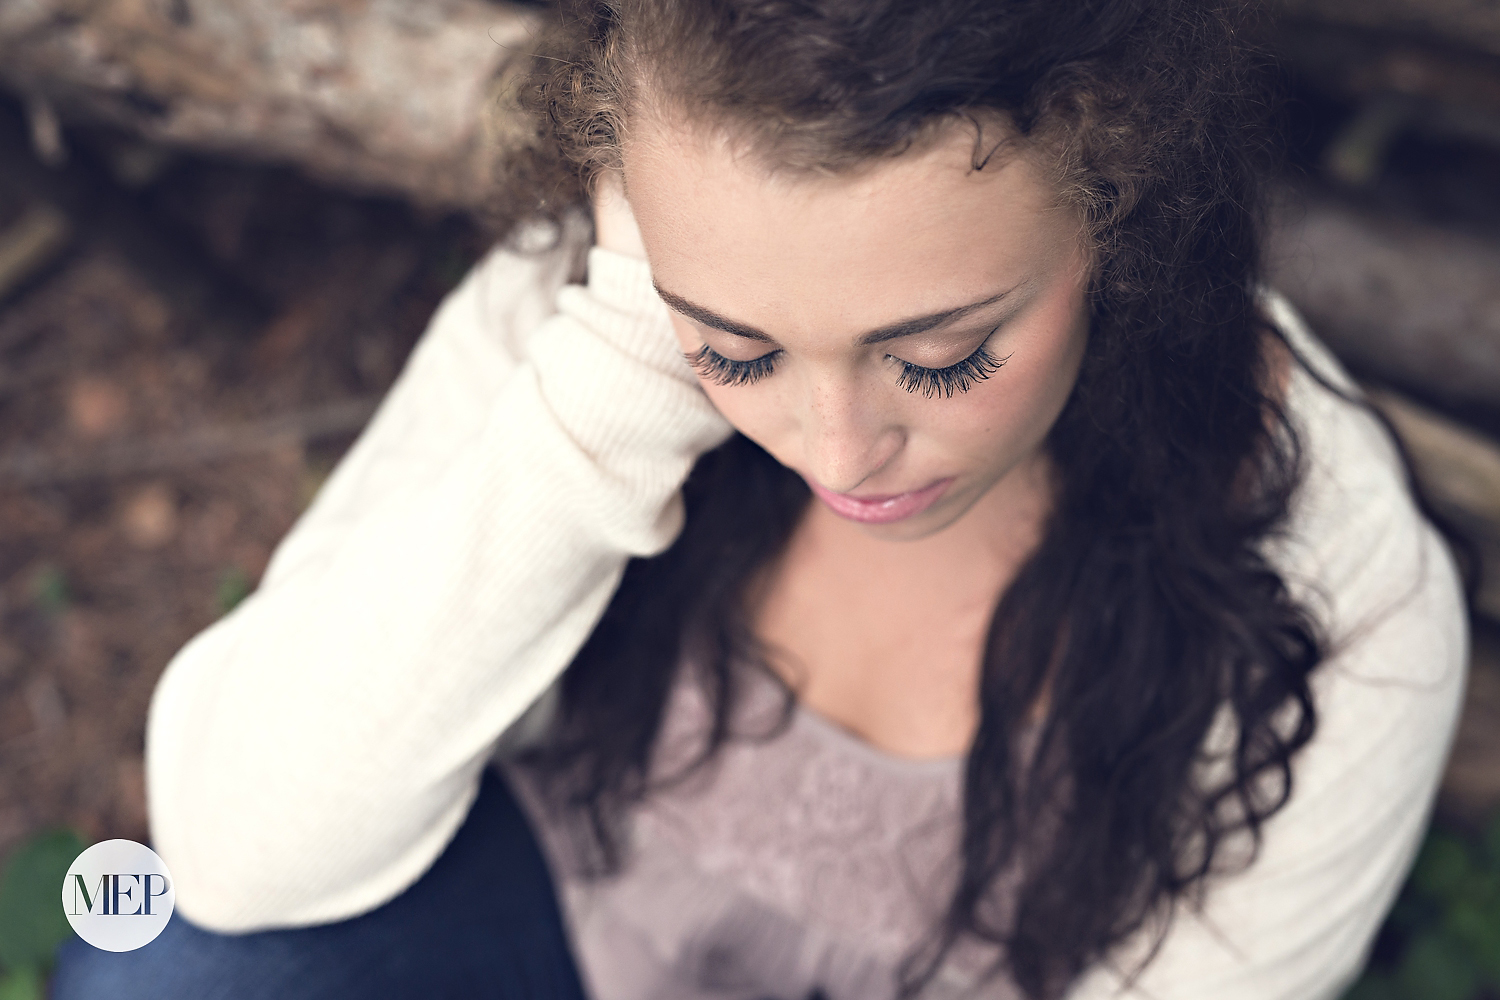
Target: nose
847	440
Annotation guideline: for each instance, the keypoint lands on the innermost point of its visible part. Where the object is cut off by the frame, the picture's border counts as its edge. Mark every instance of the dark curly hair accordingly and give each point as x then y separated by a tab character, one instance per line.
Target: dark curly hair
1148	614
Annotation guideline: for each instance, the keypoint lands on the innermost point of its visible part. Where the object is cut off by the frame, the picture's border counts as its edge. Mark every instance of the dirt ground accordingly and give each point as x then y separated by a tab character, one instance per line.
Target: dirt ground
173	388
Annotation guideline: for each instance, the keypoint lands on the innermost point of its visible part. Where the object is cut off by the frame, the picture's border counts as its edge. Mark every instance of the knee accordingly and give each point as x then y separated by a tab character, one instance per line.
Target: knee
82	970
184	961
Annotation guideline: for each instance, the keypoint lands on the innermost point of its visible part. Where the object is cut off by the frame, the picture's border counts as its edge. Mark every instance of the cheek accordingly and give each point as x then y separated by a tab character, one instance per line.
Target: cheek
1061	322
1012	412
990	428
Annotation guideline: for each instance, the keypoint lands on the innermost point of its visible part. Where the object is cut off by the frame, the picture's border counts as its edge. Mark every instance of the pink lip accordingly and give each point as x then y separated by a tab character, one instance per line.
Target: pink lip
881	510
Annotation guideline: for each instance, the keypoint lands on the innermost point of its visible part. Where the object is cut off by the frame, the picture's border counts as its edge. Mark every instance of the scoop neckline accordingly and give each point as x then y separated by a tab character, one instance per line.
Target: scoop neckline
829	731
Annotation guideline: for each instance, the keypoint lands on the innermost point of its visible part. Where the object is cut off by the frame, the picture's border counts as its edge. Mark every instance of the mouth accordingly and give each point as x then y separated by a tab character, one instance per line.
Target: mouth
881	509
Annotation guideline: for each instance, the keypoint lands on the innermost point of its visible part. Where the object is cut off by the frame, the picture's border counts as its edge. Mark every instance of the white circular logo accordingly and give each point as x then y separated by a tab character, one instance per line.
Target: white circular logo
118	895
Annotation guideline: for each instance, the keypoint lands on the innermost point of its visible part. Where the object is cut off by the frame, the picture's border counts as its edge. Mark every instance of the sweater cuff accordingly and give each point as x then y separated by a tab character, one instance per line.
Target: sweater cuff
622	280
642	326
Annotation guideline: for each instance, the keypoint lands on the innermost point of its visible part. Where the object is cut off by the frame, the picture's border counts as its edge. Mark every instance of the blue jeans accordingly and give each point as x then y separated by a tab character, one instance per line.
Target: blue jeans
481	924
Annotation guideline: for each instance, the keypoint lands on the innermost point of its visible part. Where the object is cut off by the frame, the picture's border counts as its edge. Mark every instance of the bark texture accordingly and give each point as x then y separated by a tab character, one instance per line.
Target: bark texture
394	95
1460	470
1412	303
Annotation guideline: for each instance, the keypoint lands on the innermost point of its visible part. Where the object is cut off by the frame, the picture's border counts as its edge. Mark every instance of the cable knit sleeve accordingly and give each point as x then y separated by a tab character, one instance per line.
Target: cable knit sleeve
312	753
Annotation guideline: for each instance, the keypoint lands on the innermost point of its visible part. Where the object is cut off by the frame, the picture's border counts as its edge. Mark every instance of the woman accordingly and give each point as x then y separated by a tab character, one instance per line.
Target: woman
1043	615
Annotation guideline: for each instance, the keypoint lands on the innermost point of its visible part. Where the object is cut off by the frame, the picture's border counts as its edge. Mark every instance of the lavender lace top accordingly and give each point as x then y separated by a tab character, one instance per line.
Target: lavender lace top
803	860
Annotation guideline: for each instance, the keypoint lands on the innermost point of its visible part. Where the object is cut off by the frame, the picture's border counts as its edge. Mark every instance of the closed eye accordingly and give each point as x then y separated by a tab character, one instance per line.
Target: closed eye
959	377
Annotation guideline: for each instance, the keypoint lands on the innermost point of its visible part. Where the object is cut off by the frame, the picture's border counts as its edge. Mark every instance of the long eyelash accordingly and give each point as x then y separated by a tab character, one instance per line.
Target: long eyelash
958	377
961	376
715	367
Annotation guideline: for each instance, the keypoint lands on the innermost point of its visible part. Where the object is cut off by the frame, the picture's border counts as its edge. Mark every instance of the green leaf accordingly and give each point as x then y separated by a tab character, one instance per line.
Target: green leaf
1373	986
1444	868
21	984
1437	968
49	589
1413	911
234	587
452	265
32	921
1492	842
1485	889
1478	932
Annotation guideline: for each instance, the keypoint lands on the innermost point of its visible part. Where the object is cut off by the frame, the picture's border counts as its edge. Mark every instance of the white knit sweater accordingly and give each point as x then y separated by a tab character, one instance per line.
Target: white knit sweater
312	753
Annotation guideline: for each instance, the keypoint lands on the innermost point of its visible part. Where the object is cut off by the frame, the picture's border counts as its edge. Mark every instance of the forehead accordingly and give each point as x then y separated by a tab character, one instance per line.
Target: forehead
903	236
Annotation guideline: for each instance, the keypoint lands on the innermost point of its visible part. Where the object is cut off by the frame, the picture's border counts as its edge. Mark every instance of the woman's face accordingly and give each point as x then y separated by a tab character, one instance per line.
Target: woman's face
913	329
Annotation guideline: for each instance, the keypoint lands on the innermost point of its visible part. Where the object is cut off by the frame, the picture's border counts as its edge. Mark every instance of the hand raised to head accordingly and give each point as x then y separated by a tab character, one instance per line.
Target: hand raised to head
615	227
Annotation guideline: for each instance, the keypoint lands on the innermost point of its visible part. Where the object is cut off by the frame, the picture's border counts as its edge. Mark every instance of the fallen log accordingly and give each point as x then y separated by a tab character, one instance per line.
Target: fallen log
1459	470
1356	65
1404	301
387	95
1471	24
1470	792
30	243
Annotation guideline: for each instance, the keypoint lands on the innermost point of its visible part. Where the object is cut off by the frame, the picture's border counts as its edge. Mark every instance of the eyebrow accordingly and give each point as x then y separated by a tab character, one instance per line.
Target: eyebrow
904	328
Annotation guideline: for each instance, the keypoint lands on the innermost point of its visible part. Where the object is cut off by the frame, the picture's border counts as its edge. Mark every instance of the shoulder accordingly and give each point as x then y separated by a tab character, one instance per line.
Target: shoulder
1354	545
1376	574
1355	549
1382	582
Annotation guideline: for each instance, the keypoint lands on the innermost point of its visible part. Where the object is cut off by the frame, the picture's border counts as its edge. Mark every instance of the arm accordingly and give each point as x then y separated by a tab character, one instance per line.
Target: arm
312	753
1298	923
